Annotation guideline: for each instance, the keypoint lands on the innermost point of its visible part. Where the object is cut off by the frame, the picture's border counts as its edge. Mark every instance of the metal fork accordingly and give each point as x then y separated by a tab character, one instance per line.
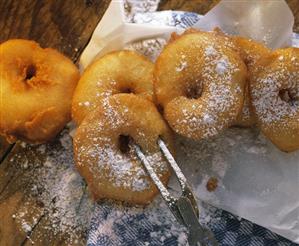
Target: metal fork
184	208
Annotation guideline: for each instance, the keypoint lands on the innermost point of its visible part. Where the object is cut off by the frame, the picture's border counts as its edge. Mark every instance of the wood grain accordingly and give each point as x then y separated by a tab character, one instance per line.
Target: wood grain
294	6
4	148
66	25
197	6
16	196
21	205
62	24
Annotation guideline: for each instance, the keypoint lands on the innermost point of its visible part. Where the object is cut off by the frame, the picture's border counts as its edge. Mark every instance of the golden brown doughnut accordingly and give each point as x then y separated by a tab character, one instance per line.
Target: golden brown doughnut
37	86
274	91
250	51
104	158
199	81
116	72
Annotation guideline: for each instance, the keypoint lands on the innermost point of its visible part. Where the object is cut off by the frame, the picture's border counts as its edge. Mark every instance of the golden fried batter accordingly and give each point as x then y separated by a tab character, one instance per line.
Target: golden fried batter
274	91
116	72
199	80
36	90
250	51
104	156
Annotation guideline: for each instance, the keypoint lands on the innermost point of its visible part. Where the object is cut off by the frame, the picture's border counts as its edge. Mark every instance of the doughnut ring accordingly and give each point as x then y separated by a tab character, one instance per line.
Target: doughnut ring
104	156
274	92
199	82
37	86
116	72
250	51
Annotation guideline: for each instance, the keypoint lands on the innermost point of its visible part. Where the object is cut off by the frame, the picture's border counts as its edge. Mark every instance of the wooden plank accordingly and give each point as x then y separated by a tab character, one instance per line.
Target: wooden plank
15	165
294	6
4	148
197	6
28	195
14	230
62	24
16	197
43	236
66	26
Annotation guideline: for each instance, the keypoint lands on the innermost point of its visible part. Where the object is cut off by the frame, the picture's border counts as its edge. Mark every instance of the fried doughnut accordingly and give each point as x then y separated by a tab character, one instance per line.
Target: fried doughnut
116	72
36	91
199	82
106	160
274	93
250	51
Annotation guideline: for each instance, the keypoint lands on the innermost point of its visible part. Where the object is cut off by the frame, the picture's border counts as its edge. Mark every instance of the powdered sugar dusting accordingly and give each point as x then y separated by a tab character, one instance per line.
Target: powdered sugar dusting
222	66
265	89
223	99
210	50
181	66
219	110
61	193
103	157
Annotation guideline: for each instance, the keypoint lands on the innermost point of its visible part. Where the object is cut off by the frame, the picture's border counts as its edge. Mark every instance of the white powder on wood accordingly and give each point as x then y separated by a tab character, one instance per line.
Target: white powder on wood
61	191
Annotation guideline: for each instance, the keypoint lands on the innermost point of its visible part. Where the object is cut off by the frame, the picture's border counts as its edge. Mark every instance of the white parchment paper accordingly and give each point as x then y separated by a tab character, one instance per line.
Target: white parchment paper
256	180
268	21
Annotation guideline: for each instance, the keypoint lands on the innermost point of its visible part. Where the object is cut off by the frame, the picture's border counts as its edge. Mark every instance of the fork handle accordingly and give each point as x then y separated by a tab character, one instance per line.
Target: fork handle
198	235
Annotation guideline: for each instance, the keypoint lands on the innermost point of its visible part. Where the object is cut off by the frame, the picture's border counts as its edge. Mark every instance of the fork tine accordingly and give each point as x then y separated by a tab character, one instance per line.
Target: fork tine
170	200
186	189
164	192
183	208
182	179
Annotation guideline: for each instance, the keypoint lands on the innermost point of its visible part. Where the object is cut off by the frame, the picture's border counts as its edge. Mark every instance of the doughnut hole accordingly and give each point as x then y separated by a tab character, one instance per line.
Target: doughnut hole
276	86
289	96
115	172
194	91
126	90
124	143
192	88
121	72
30	72
199	101
38	84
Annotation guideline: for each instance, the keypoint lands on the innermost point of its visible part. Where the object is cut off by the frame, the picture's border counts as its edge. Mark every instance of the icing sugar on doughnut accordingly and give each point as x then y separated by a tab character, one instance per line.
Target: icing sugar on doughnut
199	81
275	97
251	52
103	153
117	72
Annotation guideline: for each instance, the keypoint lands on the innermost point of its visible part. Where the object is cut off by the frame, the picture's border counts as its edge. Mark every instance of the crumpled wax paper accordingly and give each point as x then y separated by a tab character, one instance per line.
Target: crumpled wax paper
256	181
113	33
267	21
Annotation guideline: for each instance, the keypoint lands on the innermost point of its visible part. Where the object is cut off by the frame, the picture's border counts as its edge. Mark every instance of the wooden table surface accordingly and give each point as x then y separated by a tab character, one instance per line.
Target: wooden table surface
67	26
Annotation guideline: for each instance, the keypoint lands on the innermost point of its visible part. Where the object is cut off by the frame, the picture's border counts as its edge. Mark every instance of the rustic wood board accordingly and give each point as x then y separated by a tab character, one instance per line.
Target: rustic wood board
15	195
67	26
62	24
4	148
197	6
21	206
